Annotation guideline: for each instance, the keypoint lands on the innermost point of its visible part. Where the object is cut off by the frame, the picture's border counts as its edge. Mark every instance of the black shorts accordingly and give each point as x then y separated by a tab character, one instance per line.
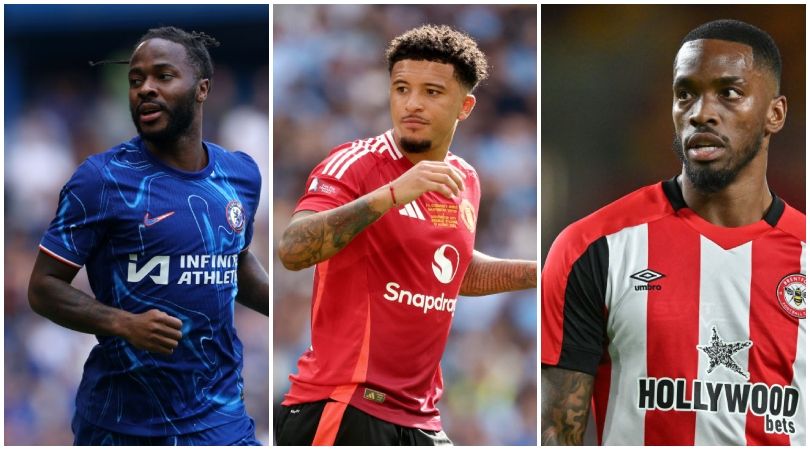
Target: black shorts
297	424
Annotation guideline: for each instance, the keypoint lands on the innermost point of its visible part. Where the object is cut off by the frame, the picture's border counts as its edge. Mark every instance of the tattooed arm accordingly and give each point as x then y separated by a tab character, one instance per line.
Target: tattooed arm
565	399
314	237
487	275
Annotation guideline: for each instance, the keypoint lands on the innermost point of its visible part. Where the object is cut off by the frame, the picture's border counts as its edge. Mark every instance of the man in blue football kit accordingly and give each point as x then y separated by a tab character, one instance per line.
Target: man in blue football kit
162	223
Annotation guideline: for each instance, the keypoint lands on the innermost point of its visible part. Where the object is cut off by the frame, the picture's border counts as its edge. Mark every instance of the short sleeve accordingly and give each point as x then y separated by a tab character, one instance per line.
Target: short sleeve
573	315
81	217
252	196
337	180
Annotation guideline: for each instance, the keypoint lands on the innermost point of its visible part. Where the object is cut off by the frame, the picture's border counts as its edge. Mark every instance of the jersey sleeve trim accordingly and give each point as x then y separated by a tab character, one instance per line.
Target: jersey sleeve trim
579	344
642	206
793	222
59	258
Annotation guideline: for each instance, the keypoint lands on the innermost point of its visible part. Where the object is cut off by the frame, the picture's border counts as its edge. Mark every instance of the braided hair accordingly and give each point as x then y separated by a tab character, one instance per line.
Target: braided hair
195	42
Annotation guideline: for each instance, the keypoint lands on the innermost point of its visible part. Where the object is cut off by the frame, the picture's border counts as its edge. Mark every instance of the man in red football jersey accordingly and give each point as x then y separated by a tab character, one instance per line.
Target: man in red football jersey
390	222
679	309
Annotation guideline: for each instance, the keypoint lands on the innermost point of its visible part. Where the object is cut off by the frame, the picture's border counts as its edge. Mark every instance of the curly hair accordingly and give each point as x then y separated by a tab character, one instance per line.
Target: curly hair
442	44
196	44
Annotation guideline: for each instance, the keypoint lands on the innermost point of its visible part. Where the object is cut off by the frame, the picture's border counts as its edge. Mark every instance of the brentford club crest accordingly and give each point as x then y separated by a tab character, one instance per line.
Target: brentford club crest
791	293
235	215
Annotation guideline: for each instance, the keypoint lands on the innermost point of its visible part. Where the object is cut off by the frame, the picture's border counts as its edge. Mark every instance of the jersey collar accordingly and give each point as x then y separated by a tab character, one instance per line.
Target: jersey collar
726	237
198	175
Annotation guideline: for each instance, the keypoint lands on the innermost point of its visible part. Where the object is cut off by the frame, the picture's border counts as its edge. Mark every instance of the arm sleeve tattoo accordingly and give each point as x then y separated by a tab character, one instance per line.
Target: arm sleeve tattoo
319	236
566	397
486	275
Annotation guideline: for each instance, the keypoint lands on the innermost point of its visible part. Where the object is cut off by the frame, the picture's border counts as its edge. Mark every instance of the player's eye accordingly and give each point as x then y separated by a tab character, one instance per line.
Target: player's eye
433	92
135	82
682	94
165	76
401	89
731	93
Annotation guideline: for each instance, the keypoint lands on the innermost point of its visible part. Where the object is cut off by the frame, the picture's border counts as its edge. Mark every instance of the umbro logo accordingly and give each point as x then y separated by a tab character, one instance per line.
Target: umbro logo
647	276
412	210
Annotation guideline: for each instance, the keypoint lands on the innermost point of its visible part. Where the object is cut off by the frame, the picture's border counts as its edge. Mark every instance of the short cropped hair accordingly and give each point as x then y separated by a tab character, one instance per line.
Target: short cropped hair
443	44
766	53
196	44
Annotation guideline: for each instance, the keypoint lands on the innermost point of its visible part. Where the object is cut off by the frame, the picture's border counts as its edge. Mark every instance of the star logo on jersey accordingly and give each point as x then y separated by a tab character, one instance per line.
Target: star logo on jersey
791	293
149	221
235	215
720	354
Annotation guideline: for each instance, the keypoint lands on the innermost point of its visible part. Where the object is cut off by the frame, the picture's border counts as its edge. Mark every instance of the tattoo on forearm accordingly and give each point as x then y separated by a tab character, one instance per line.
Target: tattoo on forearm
566	398
485	277
315	238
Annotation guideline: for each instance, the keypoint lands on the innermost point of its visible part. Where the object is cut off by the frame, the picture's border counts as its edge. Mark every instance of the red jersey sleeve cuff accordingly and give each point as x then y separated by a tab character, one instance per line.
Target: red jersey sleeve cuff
59	258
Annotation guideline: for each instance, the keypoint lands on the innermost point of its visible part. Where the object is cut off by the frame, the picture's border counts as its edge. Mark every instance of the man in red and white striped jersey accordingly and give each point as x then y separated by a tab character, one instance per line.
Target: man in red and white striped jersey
390	222
678	311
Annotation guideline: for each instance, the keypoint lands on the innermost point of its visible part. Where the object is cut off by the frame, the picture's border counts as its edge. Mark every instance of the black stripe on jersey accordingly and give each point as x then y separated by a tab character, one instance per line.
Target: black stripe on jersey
675	196
775	210
584	321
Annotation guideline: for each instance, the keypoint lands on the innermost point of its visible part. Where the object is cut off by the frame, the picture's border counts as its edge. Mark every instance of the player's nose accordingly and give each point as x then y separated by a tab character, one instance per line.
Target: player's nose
703	111
147	88
413	103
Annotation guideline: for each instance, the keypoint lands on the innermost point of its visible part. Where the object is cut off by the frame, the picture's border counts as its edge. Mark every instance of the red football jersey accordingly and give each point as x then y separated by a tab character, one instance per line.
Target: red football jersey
382	306
695	333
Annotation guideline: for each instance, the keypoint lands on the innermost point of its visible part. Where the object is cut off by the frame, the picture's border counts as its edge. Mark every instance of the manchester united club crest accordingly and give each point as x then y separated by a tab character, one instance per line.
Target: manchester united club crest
791	293
467	214
235	215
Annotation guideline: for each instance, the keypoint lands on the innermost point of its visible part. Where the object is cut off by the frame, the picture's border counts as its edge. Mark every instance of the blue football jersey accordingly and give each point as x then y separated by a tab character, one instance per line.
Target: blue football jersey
152	236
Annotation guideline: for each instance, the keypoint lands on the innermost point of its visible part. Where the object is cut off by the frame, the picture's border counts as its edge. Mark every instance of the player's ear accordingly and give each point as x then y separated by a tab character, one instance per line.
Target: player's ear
777	113
467	107
203	86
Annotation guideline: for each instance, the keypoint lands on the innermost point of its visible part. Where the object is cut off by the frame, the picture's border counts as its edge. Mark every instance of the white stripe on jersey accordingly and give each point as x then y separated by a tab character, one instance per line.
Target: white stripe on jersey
357	156
339	162
624	421
337	156
418	211
799	374
460	161
412	210
725	285
392	144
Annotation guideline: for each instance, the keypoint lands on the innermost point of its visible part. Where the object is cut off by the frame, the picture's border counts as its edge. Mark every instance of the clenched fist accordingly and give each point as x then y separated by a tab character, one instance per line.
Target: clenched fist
153	331
428	176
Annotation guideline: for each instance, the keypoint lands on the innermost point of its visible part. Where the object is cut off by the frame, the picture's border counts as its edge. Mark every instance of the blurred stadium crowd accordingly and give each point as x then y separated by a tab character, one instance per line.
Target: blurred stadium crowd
58	112
331	86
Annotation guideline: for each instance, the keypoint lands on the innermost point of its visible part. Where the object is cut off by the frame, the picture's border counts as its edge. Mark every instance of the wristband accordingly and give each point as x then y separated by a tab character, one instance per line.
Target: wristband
391	190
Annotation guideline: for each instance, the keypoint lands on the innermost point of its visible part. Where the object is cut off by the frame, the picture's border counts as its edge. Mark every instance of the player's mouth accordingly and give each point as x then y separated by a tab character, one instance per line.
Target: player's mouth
414	122
704	147
149	112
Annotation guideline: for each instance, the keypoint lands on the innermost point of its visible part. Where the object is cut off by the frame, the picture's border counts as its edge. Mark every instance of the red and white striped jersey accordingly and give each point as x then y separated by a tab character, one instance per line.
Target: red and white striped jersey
695	333
382	306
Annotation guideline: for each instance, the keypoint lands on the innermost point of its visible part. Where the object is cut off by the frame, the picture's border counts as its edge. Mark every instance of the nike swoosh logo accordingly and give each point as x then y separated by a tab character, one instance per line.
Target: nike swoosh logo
149	221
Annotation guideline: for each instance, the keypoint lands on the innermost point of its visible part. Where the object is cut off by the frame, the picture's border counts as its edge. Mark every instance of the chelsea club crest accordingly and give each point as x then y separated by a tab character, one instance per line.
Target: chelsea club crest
235	215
